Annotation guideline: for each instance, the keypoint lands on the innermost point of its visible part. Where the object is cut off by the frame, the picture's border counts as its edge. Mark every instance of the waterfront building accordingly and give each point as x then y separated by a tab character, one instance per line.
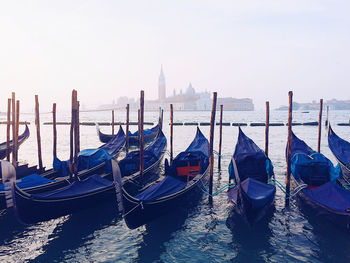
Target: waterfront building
190	100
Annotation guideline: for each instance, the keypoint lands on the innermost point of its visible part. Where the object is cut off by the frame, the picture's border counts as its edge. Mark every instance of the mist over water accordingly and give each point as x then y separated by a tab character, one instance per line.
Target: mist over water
204	233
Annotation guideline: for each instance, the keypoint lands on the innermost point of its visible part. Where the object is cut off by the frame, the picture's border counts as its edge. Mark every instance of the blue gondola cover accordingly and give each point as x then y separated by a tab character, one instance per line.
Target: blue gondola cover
259	193
89	158
339	147
130	164
299	146
251	161
77	188
332	196
30	181
167	186
314	169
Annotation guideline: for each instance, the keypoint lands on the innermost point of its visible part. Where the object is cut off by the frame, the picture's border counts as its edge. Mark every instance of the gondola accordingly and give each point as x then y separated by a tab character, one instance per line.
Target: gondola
83	193
149	135
33	208
341	151
250	170
21	139
313	180
152	156
182	183
89	162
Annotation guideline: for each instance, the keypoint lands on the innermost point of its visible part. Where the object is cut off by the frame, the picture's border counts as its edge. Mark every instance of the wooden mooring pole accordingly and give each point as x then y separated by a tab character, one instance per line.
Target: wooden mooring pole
75	132
161	115
220	137
77	124
142	98
54	130
17	129
139	126
127	129
211	143
71	138
289	142
267	126
171	132
14	130
112	121
319	126
8	129
38	138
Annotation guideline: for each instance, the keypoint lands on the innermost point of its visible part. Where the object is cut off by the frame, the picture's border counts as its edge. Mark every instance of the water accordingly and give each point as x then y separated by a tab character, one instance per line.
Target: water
205	233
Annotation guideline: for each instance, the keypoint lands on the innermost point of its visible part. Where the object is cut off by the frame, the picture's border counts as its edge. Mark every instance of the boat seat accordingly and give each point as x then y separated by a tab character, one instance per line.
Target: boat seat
191	170
315	175
252	167
188	166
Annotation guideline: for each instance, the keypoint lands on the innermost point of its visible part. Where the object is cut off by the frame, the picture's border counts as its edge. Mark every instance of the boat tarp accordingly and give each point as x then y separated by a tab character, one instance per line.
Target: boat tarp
90	158
152	153
199	144
169	185
30	181
256	192
145	131
299	146
197	152
331	195
115	144
314	169
77	188
250	160
62	167
339	147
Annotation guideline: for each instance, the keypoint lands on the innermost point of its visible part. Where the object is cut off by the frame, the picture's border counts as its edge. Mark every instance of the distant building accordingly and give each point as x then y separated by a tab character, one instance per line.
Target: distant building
161	86
338	104
190	100
233	104
333	105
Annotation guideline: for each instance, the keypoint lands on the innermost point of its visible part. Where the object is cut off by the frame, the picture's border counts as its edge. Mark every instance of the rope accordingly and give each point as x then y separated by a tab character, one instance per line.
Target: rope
222	155
136	206
130	180
223	188
283	189
217	153
167	152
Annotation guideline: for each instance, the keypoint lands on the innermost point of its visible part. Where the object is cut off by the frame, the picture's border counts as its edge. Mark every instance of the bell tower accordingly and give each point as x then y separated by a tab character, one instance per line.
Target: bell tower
161	85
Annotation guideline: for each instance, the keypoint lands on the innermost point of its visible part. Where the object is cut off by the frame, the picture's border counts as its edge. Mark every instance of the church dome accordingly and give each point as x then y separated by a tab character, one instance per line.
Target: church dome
190	90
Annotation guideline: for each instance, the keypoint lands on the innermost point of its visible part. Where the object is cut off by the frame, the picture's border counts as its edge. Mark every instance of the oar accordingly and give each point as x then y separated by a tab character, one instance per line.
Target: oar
117	180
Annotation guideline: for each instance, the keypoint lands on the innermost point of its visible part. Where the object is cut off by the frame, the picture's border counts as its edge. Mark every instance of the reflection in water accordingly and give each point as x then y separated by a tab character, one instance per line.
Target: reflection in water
251	243
23	242
79	230
159	232
332	243
200	234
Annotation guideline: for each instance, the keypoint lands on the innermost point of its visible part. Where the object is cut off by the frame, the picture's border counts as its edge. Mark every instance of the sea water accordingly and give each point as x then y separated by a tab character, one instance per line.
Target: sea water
206	232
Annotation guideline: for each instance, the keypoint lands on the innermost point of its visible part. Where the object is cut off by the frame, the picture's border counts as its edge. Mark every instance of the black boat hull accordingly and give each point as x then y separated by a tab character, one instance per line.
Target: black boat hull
21	139
251	216
321	212
140	213
32	211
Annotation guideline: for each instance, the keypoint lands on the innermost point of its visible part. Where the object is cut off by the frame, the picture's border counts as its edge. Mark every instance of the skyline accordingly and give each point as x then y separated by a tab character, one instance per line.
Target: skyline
112	49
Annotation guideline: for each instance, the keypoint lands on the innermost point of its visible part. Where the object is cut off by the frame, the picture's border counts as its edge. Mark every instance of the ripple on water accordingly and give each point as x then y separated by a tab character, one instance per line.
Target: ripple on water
203	233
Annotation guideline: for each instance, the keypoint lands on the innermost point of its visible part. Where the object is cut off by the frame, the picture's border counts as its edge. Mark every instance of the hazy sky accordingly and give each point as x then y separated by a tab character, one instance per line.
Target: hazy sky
106	49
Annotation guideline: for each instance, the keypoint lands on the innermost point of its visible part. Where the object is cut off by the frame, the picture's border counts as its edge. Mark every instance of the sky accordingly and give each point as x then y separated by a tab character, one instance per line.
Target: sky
107	49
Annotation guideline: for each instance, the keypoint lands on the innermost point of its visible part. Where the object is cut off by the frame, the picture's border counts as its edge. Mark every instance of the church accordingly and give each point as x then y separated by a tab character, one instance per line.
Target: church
191	100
